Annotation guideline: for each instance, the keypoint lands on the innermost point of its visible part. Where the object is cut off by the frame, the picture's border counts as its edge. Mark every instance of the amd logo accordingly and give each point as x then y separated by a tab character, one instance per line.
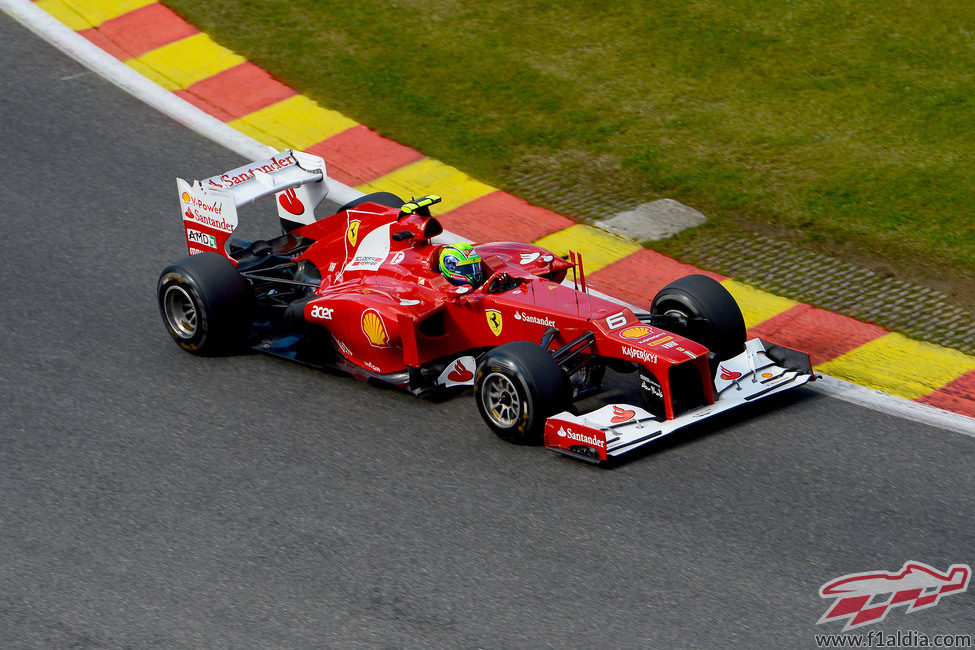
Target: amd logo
202	238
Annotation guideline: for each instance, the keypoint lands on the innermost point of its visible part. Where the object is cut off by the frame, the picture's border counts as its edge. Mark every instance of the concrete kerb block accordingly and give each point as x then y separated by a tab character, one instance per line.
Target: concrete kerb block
652	221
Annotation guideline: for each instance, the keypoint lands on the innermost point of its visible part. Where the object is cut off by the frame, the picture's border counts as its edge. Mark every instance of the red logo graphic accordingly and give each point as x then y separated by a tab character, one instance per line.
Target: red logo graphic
290	202
460	373
619	415
865	598
728	375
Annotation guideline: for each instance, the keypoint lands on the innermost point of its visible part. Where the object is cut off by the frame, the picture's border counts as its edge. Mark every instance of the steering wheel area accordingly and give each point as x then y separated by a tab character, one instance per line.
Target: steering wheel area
501	282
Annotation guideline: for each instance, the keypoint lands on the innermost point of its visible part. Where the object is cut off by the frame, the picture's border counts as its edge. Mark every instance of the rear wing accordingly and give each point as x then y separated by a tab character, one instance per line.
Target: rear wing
297	179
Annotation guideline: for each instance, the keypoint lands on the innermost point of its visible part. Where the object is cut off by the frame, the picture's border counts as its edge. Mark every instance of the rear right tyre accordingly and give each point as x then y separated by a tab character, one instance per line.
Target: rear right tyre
205	304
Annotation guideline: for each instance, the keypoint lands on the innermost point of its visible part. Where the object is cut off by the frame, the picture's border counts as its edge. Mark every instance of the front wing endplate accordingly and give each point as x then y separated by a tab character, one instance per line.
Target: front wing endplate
617	429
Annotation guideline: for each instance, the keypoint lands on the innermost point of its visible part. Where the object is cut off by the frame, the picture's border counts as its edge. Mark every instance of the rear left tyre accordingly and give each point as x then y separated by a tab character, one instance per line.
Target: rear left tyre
387	199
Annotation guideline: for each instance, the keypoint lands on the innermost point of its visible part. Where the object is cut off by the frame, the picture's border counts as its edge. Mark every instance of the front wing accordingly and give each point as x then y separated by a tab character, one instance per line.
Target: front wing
763	369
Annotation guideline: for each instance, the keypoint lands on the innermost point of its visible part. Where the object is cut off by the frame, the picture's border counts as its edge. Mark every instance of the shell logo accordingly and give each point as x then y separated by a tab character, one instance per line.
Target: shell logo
352	234
374	328
186	197
635	332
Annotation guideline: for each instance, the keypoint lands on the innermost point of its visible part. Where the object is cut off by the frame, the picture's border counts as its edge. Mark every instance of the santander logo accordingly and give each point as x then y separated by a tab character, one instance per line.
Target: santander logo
729	375
621	415
594	441
460	373
289	201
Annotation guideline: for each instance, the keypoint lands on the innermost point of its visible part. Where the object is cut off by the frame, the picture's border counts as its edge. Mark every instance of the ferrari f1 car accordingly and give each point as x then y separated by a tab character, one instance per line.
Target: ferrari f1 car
365	291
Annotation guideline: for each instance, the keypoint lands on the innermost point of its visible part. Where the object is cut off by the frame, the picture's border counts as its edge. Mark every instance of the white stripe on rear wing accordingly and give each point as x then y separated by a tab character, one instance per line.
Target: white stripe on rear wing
282	171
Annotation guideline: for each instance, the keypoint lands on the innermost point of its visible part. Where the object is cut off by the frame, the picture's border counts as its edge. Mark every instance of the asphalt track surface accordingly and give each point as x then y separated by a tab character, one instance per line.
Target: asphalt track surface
152	498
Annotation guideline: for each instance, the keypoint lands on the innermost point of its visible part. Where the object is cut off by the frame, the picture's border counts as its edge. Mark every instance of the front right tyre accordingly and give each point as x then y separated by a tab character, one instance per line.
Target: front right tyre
517	387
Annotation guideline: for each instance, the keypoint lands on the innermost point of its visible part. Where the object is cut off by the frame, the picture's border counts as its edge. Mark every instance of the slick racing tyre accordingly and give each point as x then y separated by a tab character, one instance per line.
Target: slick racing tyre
205	304
388	199
714	318
517	387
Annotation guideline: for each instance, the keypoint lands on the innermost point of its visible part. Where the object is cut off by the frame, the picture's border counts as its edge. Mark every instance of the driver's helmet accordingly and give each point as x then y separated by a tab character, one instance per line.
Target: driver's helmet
461	264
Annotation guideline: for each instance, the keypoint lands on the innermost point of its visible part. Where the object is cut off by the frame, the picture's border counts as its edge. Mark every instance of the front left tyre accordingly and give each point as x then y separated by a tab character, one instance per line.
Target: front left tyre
205	304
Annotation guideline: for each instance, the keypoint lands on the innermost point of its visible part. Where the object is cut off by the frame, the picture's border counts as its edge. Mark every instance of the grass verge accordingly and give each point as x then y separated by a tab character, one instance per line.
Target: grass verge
846	127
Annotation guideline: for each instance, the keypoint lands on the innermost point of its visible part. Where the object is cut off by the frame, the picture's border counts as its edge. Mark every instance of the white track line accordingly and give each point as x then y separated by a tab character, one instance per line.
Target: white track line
82	50
886	403
86	53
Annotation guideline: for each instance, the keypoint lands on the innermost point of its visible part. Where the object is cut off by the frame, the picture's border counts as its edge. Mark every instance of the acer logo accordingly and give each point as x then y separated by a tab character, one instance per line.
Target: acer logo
321	313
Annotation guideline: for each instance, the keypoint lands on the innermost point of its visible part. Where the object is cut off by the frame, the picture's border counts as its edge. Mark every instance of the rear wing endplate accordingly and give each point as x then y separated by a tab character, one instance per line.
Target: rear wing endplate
297	179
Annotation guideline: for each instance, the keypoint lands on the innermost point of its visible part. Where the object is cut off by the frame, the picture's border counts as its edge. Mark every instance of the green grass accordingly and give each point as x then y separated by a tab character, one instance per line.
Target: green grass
838	125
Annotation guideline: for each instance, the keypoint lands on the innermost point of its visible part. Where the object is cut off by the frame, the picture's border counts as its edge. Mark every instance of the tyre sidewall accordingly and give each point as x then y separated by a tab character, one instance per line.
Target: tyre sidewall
541	386
221	299
387	199
702	296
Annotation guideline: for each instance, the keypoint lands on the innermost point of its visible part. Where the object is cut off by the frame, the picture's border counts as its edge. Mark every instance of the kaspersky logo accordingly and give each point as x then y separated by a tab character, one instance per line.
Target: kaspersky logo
865	598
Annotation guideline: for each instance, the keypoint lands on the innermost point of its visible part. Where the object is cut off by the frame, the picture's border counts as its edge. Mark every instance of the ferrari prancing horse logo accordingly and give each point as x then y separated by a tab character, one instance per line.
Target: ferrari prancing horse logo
352	234
494	320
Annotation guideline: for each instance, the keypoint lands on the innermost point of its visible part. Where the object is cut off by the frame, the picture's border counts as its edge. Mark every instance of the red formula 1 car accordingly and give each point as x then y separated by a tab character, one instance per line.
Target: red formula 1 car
366	291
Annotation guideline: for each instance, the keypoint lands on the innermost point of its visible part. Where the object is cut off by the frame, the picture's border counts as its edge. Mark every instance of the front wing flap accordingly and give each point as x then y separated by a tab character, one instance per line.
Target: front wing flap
763	369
